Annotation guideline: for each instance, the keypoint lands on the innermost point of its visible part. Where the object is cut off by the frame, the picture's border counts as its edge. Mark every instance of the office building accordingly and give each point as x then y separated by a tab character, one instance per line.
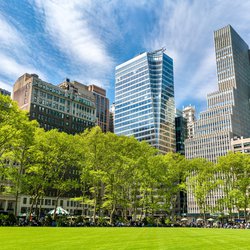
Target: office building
144	99
4	92
240	144
180	132
69	107
189	114
111	117
228	112
7	205
102	107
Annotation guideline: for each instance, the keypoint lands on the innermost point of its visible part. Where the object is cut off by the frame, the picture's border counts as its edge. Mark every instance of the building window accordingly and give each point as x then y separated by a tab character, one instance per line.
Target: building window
47	202
24	200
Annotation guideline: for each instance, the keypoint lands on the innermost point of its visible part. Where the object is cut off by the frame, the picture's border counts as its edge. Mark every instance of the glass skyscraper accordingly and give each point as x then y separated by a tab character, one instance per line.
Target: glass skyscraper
144	99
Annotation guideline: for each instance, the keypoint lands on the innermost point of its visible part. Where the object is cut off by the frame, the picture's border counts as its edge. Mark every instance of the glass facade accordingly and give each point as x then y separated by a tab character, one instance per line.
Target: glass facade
102	107
144	100
181	133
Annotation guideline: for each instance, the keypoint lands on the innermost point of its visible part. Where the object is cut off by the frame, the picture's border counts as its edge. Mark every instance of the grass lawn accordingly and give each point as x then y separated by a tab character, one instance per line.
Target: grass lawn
122	238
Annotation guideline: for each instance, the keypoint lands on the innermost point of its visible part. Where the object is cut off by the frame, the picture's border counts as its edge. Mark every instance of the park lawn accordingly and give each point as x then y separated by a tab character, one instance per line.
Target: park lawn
122	238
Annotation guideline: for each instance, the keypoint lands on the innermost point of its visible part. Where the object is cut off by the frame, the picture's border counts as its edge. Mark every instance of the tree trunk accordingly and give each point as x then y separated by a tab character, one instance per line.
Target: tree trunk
56	204
95	205
31	206
16	200
111	215
40	207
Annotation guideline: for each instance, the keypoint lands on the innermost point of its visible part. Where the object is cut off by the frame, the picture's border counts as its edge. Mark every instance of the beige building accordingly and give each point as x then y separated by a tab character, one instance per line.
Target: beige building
47	203
240	145
189	114
69	107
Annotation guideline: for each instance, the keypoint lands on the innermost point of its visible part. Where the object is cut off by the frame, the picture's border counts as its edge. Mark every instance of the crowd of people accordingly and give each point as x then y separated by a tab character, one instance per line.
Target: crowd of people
80	221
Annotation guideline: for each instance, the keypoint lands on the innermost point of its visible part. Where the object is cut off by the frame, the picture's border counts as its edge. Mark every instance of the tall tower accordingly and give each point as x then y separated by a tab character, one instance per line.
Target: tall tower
144	99
228	112
102	106
111	117
189	114
180	131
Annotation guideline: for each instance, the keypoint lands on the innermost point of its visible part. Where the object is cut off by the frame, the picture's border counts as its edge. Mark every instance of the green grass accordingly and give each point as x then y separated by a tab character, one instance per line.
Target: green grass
123	238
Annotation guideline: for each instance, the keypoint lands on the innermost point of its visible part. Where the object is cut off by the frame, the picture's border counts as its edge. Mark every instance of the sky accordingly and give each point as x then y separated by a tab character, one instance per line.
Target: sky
84	40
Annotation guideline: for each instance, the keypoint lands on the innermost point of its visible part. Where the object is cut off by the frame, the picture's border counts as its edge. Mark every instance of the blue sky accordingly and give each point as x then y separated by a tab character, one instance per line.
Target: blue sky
85	39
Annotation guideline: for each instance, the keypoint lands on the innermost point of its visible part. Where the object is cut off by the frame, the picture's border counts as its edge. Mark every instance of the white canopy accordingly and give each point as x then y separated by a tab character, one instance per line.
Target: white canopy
59	210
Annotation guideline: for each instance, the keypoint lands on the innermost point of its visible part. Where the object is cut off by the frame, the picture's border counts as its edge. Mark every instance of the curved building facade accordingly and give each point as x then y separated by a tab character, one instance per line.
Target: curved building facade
144	100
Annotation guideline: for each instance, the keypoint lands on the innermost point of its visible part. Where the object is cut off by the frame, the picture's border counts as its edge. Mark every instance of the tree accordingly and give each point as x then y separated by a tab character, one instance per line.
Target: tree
92	173
54	156
16	136
202	182
234	169
172	176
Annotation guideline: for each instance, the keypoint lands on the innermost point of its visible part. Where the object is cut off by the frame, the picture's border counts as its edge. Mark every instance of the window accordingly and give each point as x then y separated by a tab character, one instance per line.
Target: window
10	205
47	202
24	200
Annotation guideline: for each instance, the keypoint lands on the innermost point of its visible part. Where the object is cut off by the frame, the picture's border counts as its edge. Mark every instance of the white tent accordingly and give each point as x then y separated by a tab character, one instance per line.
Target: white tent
59	211
199	219
210	219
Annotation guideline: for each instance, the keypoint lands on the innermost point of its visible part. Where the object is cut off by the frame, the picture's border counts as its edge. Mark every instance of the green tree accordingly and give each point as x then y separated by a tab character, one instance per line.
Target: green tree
234	169
202	182
92	173
16	136
55	158
172	174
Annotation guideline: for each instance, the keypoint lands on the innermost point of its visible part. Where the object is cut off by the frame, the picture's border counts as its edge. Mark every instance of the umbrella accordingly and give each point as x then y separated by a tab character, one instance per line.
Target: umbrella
210	219
199	219
184	219
59	210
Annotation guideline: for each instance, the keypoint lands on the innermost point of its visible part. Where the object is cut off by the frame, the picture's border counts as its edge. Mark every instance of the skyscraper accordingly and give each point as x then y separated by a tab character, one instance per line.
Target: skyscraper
102	107
111	117
228	112
180	131
189	114
144	99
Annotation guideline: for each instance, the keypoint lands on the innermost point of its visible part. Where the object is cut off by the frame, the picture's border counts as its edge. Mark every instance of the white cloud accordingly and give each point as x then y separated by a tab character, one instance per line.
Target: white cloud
186	29
68	24
6	86
9	36
12	69
14	53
